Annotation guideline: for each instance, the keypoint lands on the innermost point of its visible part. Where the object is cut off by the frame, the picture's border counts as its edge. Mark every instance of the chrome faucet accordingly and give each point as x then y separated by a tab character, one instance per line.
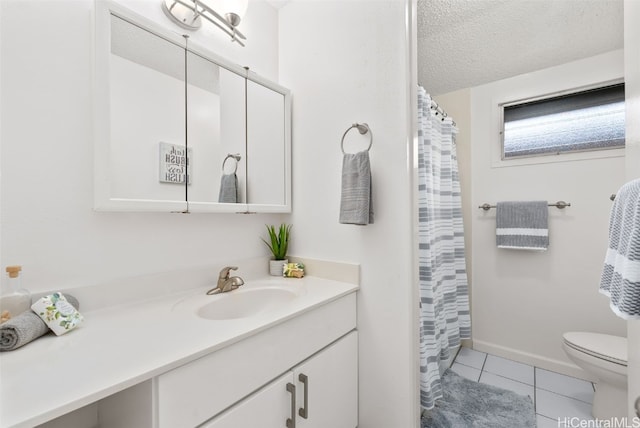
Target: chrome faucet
226	282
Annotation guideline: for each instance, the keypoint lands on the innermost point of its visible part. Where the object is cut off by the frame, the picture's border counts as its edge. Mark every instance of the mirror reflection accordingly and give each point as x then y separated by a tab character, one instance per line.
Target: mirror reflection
186	129
266	142
215	129
147	111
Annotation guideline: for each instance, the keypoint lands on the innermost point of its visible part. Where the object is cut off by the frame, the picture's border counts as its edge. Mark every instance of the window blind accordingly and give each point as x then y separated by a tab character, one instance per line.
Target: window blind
587	120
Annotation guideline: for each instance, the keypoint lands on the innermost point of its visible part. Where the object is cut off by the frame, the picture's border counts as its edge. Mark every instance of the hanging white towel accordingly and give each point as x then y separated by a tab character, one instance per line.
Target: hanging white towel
356	203
522	225
621	273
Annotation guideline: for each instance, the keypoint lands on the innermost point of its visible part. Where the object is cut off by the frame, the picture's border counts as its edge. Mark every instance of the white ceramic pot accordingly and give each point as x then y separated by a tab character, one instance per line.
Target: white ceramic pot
276	266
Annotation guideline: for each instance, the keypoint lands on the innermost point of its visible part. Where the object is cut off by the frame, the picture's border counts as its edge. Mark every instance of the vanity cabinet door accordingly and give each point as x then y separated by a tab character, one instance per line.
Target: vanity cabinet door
325	388
330	381
269	407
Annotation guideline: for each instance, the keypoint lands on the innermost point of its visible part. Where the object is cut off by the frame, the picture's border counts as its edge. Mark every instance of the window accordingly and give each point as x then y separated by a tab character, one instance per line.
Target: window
588	120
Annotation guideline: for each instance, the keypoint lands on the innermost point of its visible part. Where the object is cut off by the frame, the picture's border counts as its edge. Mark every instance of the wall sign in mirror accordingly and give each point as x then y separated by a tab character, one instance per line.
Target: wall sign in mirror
167	110
175	164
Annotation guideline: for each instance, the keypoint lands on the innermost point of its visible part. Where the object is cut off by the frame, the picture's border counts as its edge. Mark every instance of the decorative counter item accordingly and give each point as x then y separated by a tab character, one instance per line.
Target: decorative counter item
59	315
14	299
293	270
25	328
279	244
276	267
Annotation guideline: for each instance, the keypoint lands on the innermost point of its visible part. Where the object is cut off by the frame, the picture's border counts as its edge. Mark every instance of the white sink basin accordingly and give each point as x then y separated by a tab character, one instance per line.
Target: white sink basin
243	303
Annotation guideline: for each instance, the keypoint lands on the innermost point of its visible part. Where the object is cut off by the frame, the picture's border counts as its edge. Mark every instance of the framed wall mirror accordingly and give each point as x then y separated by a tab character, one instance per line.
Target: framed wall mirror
179	129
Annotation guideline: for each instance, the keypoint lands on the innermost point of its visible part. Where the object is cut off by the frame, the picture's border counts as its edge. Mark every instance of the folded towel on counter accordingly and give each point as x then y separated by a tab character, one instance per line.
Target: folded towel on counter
522	225
356	202
228	189
26	327
621	273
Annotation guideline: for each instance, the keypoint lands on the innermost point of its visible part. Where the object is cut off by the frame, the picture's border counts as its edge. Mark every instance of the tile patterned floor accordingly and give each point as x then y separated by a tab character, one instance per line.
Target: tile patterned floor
555	396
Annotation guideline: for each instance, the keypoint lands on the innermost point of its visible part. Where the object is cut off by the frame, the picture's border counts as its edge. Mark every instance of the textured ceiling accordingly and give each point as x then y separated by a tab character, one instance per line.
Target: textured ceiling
465	43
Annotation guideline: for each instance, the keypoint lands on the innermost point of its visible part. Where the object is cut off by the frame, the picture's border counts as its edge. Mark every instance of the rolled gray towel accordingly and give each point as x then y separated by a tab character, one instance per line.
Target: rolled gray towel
25	328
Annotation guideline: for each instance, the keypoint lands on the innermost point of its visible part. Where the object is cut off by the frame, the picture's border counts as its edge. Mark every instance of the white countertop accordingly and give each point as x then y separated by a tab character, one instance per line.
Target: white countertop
121	346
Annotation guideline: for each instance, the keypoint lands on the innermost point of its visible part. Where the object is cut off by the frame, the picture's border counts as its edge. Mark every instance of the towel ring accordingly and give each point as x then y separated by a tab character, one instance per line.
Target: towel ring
236	157
362	128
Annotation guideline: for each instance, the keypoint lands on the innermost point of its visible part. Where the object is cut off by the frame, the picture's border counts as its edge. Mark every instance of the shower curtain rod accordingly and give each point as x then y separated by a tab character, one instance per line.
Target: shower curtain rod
439	110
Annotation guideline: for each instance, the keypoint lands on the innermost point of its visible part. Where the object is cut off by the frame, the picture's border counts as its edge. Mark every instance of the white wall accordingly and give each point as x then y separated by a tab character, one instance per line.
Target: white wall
156	100
1	61
259	25
632	95
341	70
524	301
48	222
346	62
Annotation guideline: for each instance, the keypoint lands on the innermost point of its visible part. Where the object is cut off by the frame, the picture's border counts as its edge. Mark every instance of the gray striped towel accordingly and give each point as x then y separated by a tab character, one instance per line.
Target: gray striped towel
356	202
621	273
522	225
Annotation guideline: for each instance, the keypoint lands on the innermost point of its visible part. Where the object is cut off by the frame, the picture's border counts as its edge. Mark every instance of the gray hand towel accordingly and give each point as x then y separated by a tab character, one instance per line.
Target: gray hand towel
25	328
228	189
522	225
356	202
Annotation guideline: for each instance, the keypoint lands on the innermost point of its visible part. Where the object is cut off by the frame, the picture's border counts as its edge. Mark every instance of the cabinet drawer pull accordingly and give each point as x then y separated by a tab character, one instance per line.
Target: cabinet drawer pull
291	422
304	410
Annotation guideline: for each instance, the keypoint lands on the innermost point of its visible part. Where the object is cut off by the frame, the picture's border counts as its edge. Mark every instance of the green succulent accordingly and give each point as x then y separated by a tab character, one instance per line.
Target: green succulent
279	240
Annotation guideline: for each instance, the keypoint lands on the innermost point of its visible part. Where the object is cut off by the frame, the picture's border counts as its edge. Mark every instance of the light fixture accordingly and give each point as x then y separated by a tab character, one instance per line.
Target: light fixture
224	14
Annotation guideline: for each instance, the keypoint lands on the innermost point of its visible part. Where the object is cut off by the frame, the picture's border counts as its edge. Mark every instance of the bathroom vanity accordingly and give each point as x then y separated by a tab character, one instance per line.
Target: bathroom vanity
276	352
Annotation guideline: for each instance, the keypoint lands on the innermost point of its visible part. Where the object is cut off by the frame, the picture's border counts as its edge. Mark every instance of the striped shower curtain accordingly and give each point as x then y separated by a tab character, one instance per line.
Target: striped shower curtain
444	297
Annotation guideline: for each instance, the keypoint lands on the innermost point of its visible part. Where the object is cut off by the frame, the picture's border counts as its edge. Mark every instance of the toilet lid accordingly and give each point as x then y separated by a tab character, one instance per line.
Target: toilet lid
604	346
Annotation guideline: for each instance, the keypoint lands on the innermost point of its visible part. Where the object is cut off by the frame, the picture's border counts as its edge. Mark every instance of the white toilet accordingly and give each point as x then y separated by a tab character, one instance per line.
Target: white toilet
604	357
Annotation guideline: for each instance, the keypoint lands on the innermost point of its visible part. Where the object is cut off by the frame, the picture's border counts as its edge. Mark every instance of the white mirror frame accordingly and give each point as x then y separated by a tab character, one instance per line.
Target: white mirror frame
103	200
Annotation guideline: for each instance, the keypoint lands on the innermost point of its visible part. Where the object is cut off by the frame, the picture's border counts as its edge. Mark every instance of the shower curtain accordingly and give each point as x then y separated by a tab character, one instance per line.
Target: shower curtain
444	297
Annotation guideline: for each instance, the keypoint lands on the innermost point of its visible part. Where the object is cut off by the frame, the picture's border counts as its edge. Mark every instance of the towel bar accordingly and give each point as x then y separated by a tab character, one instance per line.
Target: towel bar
559	205
236	157
362	128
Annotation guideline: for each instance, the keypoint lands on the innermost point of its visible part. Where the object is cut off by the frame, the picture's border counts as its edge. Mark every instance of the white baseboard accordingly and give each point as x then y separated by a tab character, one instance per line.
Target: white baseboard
550	364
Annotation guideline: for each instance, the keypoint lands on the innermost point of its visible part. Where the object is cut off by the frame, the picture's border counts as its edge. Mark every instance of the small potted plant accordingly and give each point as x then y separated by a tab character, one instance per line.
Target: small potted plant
279	244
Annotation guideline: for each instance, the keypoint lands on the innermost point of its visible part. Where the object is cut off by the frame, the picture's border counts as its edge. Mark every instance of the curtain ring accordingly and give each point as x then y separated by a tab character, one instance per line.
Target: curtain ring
362	128
236	157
